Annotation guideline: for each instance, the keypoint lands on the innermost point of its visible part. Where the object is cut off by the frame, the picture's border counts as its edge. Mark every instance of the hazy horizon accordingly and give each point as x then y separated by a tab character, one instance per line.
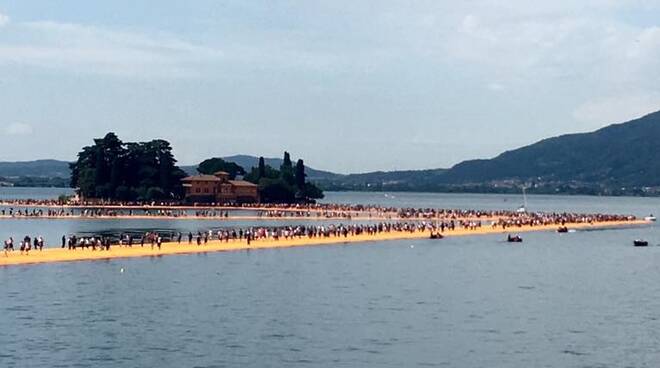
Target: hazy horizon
294	157
401	85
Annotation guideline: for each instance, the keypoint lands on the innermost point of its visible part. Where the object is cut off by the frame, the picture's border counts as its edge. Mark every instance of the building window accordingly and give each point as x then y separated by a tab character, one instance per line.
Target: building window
197	190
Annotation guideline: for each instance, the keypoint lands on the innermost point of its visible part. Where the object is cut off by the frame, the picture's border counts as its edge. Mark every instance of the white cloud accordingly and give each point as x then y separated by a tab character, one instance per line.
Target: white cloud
470	23
18	129
4	19
494	86
86	49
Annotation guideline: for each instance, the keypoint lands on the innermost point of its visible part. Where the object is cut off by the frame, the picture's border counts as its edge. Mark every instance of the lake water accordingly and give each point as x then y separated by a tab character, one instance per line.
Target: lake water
33	193
584	299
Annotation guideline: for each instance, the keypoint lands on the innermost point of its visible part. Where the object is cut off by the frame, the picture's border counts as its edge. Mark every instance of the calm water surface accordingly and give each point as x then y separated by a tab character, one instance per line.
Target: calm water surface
639	206
584	299
33	193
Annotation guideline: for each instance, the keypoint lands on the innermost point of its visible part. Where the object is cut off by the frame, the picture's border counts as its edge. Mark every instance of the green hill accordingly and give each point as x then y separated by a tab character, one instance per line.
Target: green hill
404	180
38	168
626	154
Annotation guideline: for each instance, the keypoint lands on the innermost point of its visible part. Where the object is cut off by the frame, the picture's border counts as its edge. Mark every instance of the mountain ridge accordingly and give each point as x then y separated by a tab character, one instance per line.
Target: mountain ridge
35	168
618	154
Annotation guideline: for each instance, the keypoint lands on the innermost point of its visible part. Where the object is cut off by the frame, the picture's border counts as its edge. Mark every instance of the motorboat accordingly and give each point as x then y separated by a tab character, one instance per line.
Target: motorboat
650	218
562	229
640	243
514	239
436	236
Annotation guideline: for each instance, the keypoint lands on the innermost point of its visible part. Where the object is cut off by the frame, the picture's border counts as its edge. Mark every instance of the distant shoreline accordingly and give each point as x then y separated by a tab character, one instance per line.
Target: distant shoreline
632	193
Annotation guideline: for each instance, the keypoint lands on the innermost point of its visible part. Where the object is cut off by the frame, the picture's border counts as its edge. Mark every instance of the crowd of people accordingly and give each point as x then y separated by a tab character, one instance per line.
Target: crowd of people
249	234
326	210
41	212
25	245
156	239
382	218
559	219
271	211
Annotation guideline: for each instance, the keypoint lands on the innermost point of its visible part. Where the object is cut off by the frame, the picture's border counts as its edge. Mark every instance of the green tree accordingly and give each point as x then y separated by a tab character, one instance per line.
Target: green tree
127	171
286	169
312	191
287	185
275	190
83	172
109	153
166	175
213	165
300	175
268	173
262	167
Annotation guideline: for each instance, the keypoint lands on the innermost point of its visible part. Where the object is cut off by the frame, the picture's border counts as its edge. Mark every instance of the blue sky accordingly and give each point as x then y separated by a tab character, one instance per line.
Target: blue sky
349	86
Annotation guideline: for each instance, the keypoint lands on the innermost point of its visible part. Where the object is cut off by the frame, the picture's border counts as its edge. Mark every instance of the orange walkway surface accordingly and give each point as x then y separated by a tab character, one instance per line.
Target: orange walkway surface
65	255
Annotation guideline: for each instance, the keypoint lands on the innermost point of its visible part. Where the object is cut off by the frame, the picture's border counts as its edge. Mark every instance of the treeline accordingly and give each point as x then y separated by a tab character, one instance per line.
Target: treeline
112	169
146	171
486	188
286	185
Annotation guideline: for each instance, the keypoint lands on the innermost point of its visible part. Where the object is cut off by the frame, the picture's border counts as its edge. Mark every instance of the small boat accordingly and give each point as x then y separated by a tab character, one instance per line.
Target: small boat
514	239
640	243
436	236
650	218
562	229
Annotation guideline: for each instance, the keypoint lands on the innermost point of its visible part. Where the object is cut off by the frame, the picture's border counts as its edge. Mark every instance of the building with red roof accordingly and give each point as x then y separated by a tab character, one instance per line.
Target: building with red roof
218	188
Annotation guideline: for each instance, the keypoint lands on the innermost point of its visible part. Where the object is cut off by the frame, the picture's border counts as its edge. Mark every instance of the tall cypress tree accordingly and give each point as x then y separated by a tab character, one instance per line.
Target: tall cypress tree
262	168
286	169
300	176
